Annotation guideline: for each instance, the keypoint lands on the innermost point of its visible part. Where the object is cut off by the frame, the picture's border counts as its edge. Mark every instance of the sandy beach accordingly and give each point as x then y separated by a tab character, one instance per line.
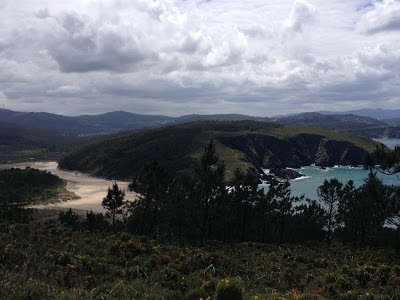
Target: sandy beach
90	190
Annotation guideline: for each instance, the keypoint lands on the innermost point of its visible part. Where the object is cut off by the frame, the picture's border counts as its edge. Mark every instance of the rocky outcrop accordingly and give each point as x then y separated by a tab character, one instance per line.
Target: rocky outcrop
287	174
269	152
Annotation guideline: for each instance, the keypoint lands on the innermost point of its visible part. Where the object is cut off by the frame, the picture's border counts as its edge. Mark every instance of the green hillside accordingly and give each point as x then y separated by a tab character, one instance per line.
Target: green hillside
334	122
242	144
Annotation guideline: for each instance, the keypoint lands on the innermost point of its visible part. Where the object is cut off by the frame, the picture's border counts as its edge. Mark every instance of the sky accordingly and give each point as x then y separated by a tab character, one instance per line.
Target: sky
177	57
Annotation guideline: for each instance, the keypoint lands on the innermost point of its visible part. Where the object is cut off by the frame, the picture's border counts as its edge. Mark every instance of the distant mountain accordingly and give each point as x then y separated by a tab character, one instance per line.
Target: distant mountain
218	117
120	121
84	125
379	114
42	120
244	145
111	122
335	122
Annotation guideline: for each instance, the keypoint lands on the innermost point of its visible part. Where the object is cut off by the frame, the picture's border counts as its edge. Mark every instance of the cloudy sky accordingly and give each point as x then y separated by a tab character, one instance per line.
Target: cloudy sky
175	57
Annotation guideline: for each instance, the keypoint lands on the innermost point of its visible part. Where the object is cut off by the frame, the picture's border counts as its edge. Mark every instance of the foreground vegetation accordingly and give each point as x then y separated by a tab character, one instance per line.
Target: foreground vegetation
50	261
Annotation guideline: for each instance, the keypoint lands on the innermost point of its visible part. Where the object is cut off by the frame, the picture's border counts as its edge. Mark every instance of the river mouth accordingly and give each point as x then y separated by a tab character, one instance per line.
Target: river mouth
90	190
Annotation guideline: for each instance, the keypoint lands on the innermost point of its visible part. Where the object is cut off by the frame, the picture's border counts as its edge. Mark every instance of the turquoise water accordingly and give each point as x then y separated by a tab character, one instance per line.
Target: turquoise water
315	177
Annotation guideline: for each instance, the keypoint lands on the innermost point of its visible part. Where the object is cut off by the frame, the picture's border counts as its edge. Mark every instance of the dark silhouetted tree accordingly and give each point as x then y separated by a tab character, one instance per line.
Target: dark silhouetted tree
243	197
384	160
114	203
283	205
330	193
148	212
208	190
347	210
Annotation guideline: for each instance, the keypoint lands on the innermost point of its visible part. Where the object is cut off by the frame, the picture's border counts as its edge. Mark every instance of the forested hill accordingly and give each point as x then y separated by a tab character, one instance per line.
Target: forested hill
86	124
241	144
335	122
118	121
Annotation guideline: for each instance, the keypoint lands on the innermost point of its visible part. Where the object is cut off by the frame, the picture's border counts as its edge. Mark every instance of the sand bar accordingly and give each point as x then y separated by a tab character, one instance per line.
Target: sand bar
91	190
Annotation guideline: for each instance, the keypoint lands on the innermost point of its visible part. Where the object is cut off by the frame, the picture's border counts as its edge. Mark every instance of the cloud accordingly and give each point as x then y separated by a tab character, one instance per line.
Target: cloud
80	44
65	91
173	57
302	15
385	16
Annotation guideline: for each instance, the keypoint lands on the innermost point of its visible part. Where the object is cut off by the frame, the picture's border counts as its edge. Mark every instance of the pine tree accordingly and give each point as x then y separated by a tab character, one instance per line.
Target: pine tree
114	203
148	211
330	193
208	191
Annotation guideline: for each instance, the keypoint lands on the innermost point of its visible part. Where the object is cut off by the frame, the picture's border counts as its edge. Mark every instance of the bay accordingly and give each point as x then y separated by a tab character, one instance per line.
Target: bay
315	176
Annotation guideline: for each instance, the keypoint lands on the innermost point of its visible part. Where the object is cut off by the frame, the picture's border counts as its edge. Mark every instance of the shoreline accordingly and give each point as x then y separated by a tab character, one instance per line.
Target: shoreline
90	190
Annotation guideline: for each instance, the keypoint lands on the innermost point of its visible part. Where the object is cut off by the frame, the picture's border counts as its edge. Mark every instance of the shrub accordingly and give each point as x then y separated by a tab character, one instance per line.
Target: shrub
229	289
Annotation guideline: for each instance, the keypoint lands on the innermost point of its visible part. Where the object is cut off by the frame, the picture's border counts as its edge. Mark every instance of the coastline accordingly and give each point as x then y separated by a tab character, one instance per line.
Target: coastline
90	190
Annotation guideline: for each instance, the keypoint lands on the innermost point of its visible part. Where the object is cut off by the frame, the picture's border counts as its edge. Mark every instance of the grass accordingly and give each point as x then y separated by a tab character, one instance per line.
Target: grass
232	158
47	261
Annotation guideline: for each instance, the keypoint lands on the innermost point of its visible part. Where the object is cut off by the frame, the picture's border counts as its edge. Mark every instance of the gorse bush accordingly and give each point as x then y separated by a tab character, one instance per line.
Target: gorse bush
51	261
229	289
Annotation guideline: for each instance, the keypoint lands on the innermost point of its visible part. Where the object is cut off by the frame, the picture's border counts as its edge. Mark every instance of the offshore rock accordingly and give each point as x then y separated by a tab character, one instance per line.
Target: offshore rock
287	174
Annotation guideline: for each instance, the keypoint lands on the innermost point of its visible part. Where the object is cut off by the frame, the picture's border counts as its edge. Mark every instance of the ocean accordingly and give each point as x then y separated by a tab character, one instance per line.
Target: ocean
315	176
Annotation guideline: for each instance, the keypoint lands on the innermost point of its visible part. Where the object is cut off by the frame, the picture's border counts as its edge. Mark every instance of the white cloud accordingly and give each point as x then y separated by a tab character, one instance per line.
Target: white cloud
385	16
302	15
256	57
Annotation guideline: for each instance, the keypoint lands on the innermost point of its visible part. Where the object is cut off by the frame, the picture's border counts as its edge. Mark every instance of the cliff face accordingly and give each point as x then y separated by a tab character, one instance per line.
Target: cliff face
305	149
333	153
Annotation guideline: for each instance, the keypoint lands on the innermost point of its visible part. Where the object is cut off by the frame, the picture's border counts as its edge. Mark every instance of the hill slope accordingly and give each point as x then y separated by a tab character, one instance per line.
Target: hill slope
218	117
18	142
241	144
335	122
379	114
